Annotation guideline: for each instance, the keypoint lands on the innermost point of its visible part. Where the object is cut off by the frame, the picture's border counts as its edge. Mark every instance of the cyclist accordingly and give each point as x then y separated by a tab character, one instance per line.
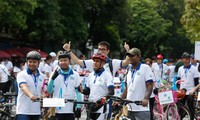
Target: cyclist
29	83
139	86
112	66
160	69
62	84
98	86
190	75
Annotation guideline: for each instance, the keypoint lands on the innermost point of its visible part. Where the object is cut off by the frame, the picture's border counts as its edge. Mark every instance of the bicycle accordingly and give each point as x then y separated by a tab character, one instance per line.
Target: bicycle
6	105
171	111
88	104
196	110
120	110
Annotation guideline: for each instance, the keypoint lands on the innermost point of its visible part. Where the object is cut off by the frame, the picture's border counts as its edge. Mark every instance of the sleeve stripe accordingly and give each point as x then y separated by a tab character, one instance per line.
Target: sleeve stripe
22	83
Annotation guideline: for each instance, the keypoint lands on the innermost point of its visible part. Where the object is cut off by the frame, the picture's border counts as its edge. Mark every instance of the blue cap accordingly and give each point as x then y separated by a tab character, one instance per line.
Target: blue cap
165	61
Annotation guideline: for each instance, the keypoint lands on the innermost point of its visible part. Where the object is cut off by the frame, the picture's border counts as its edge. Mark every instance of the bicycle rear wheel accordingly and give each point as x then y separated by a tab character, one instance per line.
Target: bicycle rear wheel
178	112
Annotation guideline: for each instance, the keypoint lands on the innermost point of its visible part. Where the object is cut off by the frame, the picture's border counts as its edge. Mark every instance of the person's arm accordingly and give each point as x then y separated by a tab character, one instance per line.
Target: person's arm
125	62
27	92
149	88
194	89
51	82
75	59
124	94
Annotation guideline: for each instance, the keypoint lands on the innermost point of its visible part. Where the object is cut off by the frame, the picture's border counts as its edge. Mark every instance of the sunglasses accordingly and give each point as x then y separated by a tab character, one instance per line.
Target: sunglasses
129	55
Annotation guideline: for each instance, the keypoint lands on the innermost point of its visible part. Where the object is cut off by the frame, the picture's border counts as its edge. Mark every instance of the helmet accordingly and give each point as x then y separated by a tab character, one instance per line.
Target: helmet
33	55
185	55
159	56
165	61
64	54
181	93
99	56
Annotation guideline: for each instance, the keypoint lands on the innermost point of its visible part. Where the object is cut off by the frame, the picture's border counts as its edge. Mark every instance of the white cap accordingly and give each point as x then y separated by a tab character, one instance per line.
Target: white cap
53	54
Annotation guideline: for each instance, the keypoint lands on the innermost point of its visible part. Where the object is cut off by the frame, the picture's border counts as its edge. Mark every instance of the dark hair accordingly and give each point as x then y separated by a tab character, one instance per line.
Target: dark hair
19	61
64	54
105	43
48	57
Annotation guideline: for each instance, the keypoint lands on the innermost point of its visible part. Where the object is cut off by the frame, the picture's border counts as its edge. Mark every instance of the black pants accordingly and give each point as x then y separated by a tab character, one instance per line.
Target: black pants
4	87
151	104
189	102
94	116
65	116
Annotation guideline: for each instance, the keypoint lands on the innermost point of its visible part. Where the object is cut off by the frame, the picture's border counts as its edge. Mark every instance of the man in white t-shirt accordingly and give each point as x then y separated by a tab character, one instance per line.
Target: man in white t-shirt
8	64
139	86
103	47
62	84
99	85
29	83
190	75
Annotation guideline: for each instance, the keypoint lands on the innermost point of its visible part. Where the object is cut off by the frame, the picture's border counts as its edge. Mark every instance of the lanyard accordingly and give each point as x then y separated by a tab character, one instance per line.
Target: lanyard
95	79
35	80
187	70
133	72
65	76
133	75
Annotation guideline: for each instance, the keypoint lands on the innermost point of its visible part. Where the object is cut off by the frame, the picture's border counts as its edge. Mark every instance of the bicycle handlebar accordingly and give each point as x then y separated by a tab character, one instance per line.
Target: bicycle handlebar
124	101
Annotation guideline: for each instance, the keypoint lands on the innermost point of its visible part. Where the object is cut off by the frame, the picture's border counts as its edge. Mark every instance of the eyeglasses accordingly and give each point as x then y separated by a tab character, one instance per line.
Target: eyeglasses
63	52
102	49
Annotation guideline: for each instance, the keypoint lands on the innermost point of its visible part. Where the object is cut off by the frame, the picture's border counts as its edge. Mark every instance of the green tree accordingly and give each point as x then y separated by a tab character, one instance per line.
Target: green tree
13	14
45	27
191	19
146	27
75	27
107	21
173	10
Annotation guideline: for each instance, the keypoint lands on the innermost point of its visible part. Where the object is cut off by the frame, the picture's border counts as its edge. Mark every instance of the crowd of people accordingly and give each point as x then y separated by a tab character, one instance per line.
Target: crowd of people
56	77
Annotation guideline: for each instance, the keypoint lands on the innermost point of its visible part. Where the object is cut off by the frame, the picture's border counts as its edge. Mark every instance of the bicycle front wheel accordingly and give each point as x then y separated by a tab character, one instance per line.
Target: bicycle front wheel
178	112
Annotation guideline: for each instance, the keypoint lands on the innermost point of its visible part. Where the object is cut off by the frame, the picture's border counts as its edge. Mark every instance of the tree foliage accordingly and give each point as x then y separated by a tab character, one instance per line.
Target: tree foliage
191	19
13	13
146	26
152	26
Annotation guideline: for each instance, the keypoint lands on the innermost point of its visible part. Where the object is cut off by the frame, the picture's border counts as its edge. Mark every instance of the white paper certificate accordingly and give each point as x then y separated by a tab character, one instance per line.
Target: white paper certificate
53	102
165	97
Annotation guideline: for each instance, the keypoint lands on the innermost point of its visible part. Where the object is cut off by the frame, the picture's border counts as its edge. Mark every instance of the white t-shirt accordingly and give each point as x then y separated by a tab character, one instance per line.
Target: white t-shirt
16	69
98	85
47	69
8	64
66	89
136	83
188	75
160	71
172	73
24	104
117	64
3	74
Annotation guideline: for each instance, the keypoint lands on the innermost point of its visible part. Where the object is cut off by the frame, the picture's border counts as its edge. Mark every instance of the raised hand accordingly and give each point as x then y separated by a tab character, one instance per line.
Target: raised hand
55	74
67	46
126	47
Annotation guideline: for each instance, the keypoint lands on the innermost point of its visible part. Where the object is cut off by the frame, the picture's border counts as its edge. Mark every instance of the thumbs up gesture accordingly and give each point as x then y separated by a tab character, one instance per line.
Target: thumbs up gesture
67	46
